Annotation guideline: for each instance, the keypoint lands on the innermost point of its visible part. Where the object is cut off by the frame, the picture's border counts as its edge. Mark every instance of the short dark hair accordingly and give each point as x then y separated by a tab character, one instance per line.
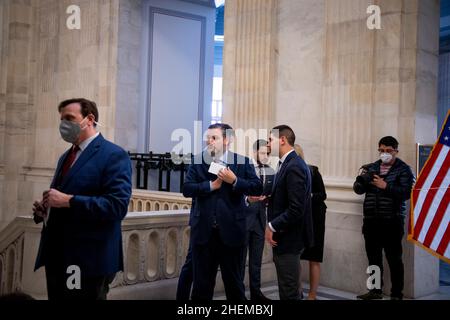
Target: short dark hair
285	131
227	130
389	142
259	143
87	107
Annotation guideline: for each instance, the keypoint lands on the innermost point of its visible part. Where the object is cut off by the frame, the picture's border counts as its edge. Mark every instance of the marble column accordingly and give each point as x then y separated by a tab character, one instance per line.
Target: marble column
249	55
341	87
3	57
16	108
46	63
64	71
377	83
444	88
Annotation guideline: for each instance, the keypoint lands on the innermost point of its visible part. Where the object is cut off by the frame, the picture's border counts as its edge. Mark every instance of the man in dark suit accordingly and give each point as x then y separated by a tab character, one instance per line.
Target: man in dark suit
289	229
218	224
257	219
81	241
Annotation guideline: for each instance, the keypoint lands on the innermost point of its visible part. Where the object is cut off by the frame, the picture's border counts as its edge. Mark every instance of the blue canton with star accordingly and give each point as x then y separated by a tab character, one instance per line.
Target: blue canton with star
445	136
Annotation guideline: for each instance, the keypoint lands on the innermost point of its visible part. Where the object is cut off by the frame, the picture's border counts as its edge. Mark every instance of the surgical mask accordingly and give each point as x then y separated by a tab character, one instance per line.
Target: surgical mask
386	157
70	131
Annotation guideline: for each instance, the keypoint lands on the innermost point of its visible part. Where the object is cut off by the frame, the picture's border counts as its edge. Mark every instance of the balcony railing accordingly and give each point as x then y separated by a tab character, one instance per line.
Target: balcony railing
167	166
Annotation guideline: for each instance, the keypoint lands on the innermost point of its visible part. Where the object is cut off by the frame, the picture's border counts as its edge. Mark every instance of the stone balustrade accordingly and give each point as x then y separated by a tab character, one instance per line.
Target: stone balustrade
145	200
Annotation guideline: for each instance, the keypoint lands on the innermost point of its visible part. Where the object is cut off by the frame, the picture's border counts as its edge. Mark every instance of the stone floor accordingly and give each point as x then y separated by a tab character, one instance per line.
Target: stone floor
271	291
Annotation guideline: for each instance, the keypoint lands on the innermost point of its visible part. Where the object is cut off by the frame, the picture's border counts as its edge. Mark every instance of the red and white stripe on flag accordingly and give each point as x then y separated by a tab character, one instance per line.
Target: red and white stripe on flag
430	209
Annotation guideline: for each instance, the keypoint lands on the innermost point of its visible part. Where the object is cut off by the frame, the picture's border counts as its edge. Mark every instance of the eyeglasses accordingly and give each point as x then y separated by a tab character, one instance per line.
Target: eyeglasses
388	150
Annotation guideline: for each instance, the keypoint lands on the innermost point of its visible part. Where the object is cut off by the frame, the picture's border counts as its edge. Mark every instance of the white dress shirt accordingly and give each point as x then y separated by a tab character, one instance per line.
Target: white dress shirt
83	145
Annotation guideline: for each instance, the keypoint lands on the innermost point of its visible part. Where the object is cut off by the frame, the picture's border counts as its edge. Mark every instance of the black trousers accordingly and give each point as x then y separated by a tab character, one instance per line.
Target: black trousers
92	288
386	234
255	254
186	278
288	274
206	260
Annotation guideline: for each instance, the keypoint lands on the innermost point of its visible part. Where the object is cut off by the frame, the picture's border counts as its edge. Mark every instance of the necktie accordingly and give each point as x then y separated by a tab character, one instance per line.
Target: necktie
276	173
69	160
279	166
262	176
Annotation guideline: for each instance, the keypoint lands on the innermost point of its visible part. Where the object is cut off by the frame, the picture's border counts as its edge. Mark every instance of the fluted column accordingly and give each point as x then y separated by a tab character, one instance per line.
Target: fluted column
249	55
444	87
65	70
42	63
376	83
3	56
15	98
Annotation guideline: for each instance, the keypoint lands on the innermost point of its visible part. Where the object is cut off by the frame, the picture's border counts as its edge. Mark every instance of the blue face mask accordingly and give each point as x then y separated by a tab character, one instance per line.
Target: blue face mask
70	131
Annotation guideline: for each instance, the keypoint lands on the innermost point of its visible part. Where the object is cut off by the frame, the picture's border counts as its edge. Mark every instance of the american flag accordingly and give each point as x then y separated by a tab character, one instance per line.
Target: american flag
430	209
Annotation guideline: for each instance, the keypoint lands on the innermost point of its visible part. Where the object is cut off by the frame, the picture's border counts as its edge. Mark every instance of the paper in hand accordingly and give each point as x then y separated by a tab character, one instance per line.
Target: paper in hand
214	168
46	216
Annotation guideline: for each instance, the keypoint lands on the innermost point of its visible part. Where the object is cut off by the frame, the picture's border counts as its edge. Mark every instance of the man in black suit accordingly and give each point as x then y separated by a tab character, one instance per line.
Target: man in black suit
218	224
257	219
289	229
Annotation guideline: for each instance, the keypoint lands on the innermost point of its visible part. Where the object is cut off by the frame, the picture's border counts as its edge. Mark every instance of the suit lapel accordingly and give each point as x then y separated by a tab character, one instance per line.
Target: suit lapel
57	174
206	163
84	157
279	175
232	161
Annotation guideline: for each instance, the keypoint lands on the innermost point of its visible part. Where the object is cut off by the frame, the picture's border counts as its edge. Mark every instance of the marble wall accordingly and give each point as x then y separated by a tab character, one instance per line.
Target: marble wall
312	64
341	87
130	47
43	63
249	64
444	88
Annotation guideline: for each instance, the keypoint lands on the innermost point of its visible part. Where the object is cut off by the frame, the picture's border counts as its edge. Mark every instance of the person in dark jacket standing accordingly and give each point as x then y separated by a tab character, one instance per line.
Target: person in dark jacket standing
315	254
387	185
257	219
218	181
289	227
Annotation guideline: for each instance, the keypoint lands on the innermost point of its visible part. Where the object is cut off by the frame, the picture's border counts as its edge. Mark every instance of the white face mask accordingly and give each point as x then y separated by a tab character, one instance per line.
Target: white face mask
386	158
70	131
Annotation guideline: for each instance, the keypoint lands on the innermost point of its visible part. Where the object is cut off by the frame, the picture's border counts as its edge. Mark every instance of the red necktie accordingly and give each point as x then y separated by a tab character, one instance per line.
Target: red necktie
69	160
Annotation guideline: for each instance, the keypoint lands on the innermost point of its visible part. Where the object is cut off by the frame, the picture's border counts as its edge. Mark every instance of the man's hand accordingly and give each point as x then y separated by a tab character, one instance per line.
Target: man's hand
253	199
379	182
55	199
269	237
227	175
216	184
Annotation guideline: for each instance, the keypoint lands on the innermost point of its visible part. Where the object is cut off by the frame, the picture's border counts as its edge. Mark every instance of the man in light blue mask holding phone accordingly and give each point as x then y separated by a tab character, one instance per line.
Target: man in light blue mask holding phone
83	210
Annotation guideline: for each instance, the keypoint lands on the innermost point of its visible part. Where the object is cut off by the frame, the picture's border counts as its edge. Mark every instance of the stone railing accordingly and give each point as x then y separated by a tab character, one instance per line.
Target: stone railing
155	246
15	252
144	200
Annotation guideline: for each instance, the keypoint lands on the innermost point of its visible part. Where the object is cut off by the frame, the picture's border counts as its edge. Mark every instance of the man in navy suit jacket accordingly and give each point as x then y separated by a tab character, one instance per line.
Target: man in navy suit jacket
289	228
218	216
81	241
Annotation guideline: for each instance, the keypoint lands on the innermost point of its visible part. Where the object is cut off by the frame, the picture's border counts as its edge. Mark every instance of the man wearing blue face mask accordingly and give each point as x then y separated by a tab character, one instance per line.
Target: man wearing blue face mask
83	210
387	185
